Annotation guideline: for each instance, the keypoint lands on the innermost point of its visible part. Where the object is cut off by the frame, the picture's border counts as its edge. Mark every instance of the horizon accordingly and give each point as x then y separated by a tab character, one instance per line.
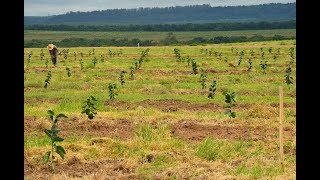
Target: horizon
89	7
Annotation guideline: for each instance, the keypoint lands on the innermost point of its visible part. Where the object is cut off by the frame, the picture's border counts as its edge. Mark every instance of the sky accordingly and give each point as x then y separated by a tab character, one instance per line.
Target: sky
54	7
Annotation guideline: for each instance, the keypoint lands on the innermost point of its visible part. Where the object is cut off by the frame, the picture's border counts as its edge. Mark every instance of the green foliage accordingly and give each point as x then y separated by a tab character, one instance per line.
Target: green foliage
121	77
263	63
136	65
89	108
270	50
208	149
132	72
288	76
177	54
47	81
93	52
54	138
194	67
75	55
188	60
231	101
250	64
203	78
226	59
102	58
94	61
212	89
110	53
68	71
41	55
291	55
220	56
46	63
29	57
240	58
81	64
112	88
65	56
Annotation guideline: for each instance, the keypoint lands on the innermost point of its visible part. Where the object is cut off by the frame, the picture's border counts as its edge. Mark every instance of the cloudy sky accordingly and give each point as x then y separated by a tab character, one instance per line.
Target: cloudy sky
53	7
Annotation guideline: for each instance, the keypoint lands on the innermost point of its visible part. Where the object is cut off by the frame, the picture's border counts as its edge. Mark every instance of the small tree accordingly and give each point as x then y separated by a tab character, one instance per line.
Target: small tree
89	107
240	59
75	55
220	56
102	58
131	72
194	67
54	138
47	81
29	57
270	49
81	64
212	89
292	55
188	60
42	55
136	65
203	78
121	77
112	88
94	61
288	77
68	71
250	64
230	100
65	56
177	53
263	63
110	53
81	54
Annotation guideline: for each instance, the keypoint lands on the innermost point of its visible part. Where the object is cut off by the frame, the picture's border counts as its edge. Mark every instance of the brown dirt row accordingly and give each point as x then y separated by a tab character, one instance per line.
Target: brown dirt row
75	168
186	130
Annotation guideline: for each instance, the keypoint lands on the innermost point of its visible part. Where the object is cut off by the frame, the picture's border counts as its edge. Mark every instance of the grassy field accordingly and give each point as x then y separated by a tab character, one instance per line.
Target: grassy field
181	36
162	125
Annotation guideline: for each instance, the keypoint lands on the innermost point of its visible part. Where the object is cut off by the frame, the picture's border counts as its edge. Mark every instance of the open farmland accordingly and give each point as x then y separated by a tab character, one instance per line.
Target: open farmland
162	125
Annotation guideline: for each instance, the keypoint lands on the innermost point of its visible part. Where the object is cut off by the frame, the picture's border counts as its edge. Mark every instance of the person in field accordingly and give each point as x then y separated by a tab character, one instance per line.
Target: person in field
53	50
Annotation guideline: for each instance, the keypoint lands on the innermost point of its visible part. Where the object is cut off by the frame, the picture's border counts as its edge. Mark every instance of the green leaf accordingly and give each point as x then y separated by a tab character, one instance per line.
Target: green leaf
90	116
48	132
51	114
61	115
60	151
58	116
233	114
54	131
58	139
46	157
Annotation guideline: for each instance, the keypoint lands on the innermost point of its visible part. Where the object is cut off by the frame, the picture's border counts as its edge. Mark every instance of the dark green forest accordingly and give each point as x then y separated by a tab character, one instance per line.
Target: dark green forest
231	26
169	15
169	40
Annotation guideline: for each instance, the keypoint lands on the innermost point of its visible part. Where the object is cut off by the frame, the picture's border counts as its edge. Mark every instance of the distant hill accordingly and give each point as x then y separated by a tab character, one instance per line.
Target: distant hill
170	15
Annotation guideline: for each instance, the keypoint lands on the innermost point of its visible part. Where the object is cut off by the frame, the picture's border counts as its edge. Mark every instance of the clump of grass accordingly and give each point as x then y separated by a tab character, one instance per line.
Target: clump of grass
147	133
208	149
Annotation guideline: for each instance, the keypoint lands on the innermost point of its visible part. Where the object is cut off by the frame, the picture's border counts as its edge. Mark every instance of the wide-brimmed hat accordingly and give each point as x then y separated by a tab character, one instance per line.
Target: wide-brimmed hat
50	46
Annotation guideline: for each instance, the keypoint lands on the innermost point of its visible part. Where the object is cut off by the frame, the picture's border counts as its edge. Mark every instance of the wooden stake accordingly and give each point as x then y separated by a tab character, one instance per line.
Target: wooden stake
281	124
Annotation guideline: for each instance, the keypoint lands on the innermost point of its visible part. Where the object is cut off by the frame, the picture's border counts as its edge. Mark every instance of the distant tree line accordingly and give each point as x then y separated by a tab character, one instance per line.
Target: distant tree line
170	27
169	40
179	14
